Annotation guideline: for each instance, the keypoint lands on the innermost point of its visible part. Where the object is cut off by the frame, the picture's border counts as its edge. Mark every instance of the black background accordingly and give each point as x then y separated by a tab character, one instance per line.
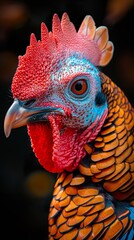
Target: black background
24	214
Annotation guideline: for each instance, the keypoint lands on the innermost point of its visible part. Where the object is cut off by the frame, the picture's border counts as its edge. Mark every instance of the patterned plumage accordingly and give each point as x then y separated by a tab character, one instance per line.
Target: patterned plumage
112	151
81	208
81	125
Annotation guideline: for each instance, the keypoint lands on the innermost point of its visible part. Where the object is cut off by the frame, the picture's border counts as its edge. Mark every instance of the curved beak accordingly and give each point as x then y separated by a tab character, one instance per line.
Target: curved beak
18	115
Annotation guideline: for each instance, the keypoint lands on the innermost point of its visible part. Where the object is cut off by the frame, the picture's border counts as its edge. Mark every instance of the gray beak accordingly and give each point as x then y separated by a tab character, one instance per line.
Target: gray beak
18	115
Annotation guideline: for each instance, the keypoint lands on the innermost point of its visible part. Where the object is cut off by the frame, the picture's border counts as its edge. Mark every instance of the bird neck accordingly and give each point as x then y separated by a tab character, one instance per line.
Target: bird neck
110	156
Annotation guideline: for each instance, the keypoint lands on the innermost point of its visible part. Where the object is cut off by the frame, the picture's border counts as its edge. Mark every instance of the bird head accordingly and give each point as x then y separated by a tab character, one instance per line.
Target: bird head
57	91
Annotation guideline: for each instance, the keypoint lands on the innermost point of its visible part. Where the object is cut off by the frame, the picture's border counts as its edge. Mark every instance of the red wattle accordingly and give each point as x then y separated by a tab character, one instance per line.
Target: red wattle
41	142
58	148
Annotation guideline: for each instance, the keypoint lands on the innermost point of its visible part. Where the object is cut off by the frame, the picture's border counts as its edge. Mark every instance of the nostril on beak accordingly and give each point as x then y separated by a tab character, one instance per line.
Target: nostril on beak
27	103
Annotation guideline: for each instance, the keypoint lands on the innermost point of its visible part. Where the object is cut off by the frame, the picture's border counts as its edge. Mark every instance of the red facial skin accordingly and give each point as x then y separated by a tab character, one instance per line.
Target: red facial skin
57	152
58	147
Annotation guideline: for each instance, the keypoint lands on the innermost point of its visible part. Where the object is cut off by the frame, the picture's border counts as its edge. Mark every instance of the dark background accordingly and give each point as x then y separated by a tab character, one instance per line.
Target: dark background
26	188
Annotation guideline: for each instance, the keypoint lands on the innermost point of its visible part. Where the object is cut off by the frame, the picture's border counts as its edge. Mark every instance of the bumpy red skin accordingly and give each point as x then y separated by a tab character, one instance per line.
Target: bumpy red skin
80	208
58	152
45	69
32	78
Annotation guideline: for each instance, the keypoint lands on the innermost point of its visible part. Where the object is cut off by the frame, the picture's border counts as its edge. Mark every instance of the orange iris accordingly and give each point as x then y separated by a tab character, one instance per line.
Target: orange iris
79	87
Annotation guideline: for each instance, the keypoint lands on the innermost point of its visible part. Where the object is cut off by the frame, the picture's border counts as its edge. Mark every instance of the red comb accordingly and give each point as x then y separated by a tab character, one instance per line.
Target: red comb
42	55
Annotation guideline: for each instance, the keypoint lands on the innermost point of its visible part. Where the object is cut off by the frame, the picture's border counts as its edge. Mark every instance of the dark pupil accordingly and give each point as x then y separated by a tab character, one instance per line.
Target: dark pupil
78	86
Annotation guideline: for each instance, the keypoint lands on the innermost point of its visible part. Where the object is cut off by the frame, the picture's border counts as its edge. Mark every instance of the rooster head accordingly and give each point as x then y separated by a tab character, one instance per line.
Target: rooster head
57	91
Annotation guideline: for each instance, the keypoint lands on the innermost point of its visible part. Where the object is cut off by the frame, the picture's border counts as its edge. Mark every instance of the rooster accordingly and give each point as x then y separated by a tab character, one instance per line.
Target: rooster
81	126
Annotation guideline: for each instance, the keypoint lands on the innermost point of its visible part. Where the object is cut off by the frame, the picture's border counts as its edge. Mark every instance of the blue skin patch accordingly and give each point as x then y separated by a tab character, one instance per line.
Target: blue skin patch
73	65
83	108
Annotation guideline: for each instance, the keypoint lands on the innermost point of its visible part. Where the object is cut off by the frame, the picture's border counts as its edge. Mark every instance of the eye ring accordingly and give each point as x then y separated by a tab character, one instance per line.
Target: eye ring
79	86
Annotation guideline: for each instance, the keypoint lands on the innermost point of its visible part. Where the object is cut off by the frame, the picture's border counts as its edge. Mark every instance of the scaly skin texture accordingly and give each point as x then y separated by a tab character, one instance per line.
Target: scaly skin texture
81	126
112	155
84	202
82	210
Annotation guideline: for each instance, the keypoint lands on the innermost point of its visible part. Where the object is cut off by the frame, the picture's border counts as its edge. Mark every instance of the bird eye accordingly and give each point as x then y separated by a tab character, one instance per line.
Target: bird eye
79	87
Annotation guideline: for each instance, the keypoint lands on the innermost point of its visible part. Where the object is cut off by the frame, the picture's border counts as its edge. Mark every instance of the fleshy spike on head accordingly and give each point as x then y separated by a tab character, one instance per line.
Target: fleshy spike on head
106	54
87	27
33	41
91	42
67	26
42	56
88	42
44	32
100	37
56	26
